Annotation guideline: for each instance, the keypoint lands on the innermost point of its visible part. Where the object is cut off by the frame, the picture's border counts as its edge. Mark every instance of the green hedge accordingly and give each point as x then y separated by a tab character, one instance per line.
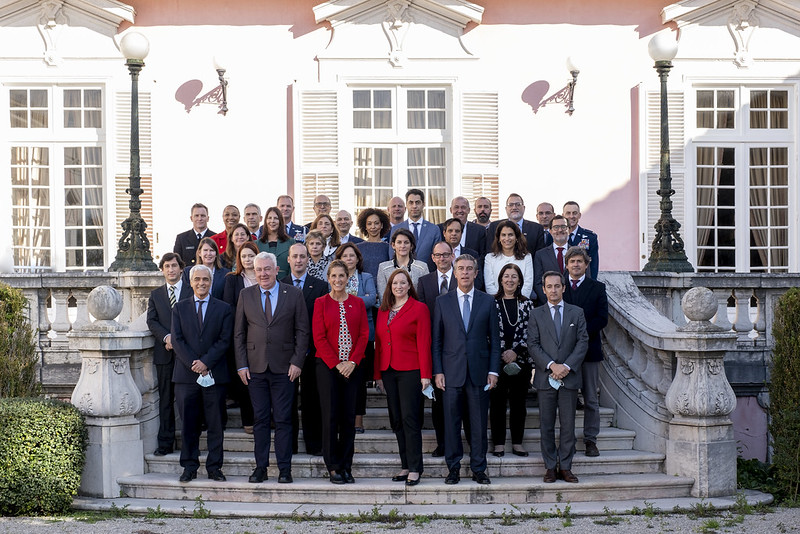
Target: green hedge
42	452
18	357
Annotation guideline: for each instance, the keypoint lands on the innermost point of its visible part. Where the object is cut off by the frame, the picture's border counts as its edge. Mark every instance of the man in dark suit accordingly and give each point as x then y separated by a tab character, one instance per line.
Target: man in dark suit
590	295
466	364
271	341
343	222
581	237
533	231
473	236
186	242
159	321
483	214
286	207
544	216
426	234
312	288
557	340
396	210
201	332
429	288
551	257
451	230
322	206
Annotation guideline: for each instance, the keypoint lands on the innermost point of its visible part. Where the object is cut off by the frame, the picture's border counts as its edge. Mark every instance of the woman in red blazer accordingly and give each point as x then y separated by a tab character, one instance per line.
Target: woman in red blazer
403	368
341	349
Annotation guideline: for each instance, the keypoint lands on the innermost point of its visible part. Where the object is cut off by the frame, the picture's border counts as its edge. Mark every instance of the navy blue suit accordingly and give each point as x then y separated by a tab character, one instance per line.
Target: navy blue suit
543	261
465	357
297	232
186	245
208	344
475	239
429	235
587	239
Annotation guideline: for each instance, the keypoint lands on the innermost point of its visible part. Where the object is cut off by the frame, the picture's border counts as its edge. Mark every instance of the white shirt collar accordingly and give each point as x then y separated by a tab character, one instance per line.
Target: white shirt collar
461	294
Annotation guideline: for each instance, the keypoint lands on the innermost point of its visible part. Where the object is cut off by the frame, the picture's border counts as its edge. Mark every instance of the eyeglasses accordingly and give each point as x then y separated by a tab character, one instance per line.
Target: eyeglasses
559	227
442	254
322	204
514	205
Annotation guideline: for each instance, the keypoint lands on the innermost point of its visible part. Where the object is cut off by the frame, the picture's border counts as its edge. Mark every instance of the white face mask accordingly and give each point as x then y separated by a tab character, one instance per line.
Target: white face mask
206	381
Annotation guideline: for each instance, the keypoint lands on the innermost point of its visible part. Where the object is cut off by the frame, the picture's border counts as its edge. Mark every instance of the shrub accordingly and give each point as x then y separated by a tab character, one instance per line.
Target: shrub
42	452
784	395
18	357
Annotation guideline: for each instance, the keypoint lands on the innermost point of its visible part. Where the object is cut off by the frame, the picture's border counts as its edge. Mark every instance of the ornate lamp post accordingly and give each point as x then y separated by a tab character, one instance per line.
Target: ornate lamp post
667	253
133	249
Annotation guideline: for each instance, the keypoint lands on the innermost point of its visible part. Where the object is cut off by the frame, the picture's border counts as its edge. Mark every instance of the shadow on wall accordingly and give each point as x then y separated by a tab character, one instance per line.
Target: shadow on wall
187	94
535	93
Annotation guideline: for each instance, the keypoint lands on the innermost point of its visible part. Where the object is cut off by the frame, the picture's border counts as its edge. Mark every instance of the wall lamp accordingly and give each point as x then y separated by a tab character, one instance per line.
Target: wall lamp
219	65
566	95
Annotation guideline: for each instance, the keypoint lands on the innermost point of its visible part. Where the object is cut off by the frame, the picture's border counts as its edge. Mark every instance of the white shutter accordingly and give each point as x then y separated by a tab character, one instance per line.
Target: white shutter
474	186
123	207
480	154
318	148
651	202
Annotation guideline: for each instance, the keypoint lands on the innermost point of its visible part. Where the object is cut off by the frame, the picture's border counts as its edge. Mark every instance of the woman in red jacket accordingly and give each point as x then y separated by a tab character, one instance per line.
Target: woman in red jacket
340	332
403	368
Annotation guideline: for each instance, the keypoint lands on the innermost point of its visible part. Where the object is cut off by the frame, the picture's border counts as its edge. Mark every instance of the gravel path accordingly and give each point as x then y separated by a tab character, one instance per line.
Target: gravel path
766	521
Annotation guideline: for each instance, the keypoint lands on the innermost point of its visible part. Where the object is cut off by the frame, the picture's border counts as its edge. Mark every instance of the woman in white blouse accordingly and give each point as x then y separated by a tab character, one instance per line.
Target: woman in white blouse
403	244
509	247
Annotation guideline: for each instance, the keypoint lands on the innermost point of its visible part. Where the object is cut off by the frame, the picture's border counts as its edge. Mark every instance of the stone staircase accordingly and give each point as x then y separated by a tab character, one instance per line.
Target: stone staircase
620	472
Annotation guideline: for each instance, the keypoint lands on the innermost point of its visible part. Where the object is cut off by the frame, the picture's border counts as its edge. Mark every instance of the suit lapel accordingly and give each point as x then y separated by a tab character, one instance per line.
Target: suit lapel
282	296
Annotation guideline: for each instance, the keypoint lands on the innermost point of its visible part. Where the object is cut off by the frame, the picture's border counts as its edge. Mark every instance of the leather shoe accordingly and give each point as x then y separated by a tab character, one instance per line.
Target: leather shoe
217	475
453	477
259	475
591	449
188	474
549	476
438	452
567	476
359	429
499	454
413	482
163	451
337	478
481	477
516	452
285	477
400	478
348	477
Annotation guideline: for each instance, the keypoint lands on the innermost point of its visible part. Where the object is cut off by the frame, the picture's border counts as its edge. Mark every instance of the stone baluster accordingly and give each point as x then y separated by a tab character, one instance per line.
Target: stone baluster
761	314
61	325
81	300
44	320
701	444
743	324
721	318
108	396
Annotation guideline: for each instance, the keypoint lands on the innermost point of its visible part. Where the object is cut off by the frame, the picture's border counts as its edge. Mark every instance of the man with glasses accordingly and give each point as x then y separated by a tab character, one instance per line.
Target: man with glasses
533	231
322	206
550	258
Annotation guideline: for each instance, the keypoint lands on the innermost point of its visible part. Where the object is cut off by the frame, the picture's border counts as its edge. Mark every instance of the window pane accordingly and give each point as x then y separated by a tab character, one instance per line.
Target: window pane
416	120
92	119
705	155
705	176
780	216
416	99
758	119
94	217
436	120
38	98
779	99
94	258
416	157
436	157
758	217
40	176
361	99
94	176
362	119
72	197
758	197
436	100
727	258
727	176
19	176
91	98
758	99
727	217
726	237
383	99
19	98
40	197
779	119
72	177
383	178
73	237
72	155
726	197
72	98
19	118
74	258
726	156
416	177
779	237
94	237
19	196
72	118
436	197
383	157
705	99
93	155
383	119
725	99
725	119
38	119
705	119
73	217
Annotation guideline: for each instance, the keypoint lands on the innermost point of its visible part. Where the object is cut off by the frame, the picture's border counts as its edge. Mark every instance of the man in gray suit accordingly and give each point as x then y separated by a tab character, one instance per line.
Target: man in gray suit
271	340
558	341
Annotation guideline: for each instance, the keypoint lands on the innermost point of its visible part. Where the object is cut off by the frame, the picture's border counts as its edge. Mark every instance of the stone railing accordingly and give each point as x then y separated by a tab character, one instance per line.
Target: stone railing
58	306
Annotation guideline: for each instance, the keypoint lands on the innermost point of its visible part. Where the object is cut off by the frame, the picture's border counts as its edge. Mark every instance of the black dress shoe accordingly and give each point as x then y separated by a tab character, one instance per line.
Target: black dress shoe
359	429
481	477
400	478
259	475
499	454
591	449
347	475
453	477
217	475
549	476
337	478
519	453
188	475
163	451
413	482
438	452
285	477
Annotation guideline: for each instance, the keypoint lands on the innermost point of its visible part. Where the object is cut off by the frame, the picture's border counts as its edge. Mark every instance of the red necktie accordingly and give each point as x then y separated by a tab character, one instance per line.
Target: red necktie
560	259
574	284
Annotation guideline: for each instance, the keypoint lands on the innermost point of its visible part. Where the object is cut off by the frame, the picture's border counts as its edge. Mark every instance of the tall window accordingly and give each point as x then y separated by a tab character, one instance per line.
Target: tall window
742	176
57	170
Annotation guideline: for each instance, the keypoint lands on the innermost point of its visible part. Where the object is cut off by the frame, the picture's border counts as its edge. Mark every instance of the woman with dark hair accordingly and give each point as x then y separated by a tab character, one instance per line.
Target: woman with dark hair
274	239
324	224
243	275
238	235
403	244
360	284
340	330
375	227
317	262
403	368
509	247
513	312
208	254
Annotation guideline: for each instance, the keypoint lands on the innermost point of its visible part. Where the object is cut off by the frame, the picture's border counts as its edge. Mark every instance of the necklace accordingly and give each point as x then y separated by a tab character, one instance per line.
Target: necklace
505	310
397	307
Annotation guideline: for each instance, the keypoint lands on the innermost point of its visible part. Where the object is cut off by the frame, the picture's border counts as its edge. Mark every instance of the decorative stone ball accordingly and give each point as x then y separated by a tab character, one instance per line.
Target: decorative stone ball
699	304
105	303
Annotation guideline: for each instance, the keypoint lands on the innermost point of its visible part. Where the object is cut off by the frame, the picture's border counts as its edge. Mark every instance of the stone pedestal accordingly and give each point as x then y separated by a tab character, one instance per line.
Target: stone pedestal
108	396
701	443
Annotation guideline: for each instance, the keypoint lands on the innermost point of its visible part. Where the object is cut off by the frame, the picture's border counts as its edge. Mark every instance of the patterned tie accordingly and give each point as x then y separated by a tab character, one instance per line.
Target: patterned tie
416	233
560	259
200	313
557	320
465	312
443	287
574	284
268	307
172	299
297	282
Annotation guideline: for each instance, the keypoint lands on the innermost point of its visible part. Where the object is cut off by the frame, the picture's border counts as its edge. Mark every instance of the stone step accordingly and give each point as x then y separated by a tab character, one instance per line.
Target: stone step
378	418
384	441
512	490
386	465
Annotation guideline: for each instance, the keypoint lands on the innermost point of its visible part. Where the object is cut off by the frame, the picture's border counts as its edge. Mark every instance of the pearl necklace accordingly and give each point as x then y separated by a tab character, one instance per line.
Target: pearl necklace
505	310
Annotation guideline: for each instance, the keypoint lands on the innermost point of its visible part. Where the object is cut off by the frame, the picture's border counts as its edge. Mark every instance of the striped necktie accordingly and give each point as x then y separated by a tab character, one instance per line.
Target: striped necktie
172	299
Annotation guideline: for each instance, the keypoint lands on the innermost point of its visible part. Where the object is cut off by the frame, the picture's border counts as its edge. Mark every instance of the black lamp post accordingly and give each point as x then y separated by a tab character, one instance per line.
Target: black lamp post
667	253
133	249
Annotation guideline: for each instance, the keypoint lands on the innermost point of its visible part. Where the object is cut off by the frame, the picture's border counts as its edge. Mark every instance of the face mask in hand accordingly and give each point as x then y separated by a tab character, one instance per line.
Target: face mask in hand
205	381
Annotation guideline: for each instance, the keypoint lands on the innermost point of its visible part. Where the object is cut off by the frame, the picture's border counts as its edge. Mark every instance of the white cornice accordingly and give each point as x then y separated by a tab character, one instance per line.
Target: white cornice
110	12
693	11
458	12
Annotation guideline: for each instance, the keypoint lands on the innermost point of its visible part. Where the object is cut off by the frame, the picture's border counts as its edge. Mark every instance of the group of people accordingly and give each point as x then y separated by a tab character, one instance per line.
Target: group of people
466	313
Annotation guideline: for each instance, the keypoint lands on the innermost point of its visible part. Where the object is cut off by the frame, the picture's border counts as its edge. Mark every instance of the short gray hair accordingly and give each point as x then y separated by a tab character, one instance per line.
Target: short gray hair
266	256
200	267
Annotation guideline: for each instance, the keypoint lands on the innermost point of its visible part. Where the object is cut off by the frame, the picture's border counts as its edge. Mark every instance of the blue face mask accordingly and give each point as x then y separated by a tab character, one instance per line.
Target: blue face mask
428	392
206	381
555	383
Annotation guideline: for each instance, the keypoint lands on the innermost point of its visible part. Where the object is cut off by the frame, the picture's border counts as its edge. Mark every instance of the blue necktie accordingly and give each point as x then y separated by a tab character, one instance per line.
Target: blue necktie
416	233
465	312
557	321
